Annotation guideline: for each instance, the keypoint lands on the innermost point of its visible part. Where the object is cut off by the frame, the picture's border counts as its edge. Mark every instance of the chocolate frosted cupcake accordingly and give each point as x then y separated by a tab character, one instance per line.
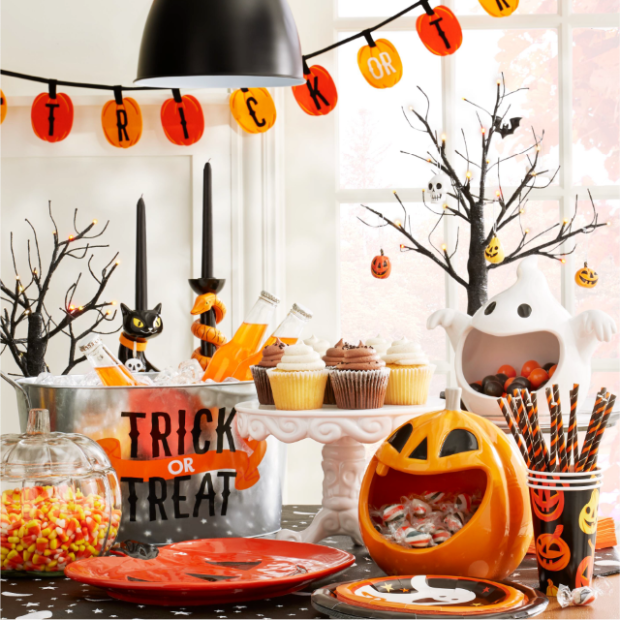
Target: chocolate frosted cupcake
361	379
332	358
271	357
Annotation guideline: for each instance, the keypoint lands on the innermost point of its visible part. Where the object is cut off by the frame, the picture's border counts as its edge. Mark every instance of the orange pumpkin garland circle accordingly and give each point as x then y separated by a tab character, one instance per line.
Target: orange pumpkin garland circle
52	115
318	96
499	8
380	63
121	119
381	266
552	552
440	31
253	109
3	107
182	119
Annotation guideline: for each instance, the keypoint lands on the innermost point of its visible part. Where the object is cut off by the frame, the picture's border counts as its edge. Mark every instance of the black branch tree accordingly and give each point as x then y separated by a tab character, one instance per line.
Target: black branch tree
26	325
471	193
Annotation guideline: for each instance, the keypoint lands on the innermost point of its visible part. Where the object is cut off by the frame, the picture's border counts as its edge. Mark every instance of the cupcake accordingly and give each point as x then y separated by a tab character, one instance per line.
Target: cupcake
332	358
320	346
271	356
379	344
361	379
410	375
298	381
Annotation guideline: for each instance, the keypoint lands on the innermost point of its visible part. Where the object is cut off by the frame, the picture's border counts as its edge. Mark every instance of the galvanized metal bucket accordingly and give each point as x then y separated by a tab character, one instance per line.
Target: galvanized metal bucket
185	471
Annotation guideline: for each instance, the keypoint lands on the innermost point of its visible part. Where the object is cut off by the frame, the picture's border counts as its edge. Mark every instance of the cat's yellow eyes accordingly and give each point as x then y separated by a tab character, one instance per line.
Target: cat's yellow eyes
157	322
138	323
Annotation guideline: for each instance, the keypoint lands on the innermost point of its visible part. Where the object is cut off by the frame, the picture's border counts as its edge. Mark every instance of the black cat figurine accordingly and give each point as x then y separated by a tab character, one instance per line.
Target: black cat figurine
138	327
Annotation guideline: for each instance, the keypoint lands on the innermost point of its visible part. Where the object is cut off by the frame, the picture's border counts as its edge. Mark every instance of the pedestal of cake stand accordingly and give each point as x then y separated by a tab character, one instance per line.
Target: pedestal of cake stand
344	458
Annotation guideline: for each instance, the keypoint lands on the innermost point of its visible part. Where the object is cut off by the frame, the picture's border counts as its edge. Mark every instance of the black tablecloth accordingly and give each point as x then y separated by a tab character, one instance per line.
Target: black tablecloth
63	598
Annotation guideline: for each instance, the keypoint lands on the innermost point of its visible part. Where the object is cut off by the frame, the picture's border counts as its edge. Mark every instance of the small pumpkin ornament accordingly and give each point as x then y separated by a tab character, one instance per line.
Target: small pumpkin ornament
440	31
586	277
318	96
52	115
121	119
253	109
499	8
380	63
494	252
182	119
588	517
552	551
451	451
381	266
3	107
547	504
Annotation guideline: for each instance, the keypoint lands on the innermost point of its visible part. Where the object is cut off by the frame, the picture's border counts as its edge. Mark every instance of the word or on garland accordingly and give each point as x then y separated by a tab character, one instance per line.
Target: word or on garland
253	108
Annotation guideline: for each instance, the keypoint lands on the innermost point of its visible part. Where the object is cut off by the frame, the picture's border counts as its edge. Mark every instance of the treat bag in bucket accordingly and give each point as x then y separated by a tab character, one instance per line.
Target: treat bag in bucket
564	515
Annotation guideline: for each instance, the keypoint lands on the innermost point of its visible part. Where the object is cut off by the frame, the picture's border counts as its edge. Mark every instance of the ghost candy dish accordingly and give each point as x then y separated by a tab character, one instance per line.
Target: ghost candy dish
523	323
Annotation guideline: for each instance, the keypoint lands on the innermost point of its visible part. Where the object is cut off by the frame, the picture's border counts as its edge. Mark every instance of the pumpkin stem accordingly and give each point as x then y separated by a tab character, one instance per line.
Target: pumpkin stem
382	254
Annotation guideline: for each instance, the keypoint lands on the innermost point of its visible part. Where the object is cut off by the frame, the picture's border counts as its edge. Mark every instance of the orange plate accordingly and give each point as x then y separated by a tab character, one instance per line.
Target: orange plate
431	594
213	571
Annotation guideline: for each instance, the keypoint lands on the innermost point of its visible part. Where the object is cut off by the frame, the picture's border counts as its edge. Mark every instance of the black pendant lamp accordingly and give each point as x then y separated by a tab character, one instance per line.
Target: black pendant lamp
220	44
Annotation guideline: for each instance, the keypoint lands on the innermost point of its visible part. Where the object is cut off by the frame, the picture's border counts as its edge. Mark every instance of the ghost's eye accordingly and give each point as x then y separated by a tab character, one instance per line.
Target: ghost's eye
138	323
459	440
490	308
439	185
524	310
420	453
400	437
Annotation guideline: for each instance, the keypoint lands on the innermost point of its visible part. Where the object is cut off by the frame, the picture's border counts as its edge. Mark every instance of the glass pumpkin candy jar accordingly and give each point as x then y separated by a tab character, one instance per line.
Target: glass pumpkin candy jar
60	499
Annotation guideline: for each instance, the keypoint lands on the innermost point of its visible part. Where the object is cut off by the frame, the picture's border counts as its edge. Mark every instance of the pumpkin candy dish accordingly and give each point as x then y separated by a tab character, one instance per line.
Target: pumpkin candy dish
410	374
361	379
298	381
271	357
333	356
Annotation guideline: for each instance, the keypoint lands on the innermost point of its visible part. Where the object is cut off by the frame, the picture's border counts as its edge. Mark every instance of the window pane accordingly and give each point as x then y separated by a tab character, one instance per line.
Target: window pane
526	7
399	305
602	251
373	129
596	91
528	58
596	6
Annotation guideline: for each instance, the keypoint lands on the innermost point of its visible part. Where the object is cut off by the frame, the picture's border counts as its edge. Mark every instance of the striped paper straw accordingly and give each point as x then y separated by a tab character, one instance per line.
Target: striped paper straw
553	438
513	429
521	418
537	439
593	453
543	444
595	420
562	457
572	446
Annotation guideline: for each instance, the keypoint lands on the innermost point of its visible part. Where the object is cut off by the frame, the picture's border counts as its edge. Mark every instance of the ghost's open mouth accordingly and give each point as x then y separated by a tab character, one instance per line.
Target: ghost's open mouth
483	354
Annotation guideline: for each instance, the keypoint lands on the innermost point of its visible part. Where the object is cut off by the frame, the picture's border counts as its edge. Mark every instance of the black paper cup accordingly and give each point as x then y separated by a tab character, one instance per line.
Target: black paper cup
565	517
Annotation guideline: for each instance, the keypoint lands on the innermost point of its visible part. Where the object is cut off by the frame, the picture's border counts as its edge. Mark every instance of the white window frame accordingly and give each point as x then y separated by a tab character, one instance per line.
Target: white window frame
564	192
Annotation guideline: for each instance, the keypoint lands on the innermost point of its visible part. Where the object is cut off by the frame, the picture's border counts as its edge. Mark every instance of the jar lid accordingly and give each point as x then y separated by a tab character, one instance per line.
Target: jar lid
269	297
305	312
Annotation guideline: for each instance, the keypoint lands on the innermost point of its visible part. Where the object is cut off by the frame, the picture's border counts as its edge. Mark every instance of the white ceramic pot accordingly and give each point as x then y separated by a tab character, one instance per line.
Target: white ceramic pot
524	322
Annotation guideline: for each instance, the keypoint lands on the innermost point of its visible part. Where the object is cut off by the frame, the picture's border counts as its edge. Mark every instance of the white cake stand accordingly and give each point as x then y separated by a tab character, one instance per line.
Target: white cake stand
343	432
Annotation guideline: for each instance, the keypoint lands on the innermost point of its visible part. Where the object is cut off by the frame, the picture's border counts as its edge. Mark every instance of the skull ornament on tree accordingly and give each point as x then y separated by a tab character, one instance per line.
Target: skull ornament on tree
438	187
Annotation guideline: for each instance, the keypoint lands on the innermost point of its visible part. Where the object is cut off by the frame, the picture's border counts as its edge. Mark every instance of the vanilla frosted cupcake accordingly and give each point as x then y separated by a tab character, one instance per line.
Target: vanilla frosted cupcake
298	381
410	375
320	346
333	357
379	344
272	355
361	379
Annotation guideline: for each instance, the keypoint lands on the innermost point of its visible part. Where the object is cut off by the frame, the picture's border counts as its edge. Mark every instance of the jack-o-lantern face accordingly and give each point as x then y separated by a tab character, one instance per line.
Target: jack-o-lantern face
548	505
584	572
318	96
586	277
121	119
3	107
553	553
494	252
588	517
52	116
253	109
499	8
182	119
380	64
440	32
451	451
381	267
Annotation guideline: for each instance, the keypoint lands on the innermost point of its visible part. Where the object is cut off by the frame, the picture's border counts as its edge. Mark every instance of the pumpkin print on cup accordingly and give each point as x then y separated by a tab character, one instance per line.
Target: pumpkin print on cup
586	277
584	572
547	505
588	517
552	552
440	32
121	119
52	115
182	119
381	266
3	107
380	63
253	109
499	8
318	96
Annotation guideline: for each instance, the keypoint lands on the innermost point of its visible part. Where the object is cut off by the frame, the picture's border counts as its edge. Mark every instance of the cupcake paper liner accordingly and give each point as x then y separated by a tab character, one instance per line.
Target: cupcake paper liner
409	385
360	389
329	399
298	390
263	387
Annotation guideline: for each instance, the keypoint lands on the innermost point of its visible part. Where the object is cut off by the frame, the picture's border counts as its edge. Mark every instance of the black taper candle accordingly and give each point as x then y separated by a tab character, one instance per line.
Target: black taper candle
141	270
207	318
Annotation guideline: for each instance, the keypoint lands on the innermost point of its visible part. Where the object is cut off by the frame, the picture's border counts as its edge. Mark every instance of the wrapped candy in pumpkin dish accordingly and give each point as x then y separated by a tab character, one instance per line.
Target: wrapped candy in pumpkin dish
446	494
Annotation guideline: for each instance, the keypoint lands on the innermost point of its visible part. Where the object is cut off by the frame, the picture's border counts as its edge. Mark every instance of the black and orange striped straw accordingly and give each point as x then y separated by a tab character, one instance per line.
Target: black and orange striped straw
593	452
595	420
521	418
563	463
513	429
537	440
572	445
553	438
543	444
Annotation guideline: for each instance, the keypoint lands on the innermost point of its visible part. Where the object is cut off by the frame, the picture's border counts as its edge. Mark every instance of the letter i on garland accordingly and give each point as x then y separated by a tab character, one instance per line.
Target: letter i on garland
52	115
182	119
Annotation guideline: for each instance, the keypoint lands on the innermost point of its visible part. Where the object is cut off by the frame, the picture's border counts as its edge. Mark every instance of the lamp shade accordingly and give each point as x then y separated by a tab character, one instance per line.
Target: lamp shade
220	44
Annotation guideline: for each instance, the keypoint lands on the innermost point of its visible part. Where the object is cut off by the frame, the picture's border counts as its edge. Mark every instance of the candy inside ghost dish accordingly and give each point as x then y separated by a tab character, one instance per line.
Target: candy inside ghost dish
524	322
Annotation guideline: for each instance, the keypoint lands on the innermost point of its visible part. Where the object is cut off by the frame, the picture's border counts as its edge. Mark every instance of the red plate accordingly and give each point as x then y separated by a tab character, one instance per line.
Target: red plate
212	571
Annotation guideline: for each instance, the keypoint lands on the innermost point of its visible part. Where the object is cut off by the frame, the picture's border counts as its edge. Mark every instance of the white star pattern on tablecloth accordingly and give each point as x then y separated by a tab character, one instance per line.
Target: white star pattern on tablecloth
68	611
31	604
48	588
100	611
